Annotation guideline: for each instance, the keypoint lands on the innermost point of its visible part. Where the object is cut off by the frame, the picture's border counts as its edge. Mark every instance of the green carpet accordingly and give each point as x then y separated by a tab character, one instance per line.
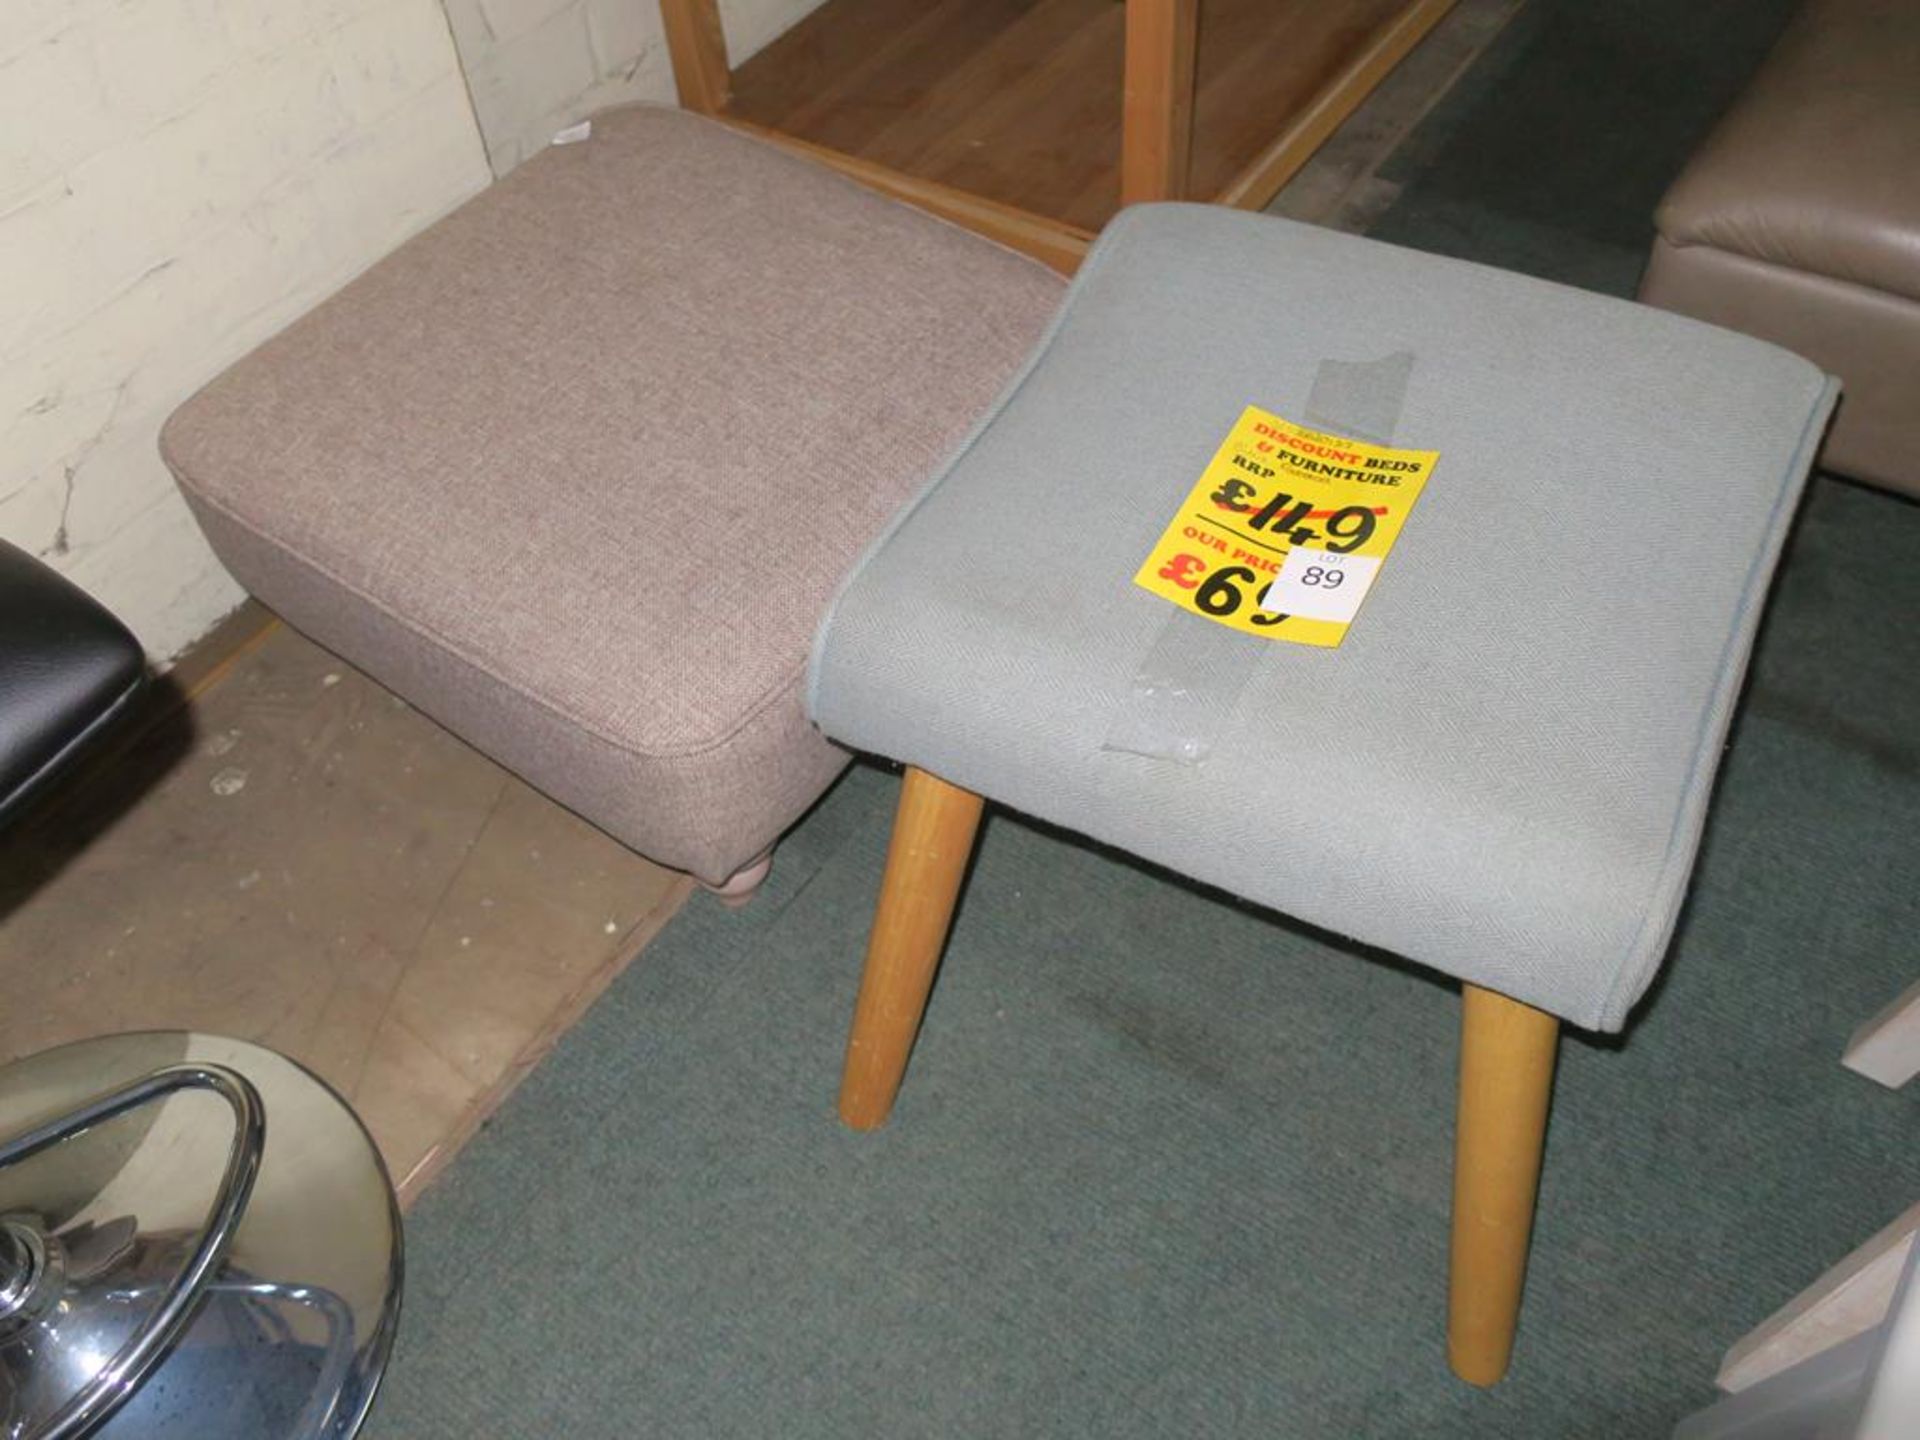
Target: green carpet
1550	158
1166	1165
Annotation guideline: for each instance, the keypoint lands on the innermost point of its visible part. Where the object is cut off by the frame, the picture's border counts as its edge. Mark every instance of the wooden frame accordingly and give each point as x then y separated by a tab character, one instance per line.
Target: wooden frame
1887	1047
1156	130
697	48
1507	1053
1156	115
1846	1301
1047	240
1293	147
1865	1387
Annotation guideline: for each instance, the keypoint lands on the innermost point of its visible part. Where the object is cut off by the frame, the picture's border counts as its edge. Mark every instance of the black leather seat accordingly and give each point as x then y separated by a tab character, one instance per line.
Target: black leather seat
68	669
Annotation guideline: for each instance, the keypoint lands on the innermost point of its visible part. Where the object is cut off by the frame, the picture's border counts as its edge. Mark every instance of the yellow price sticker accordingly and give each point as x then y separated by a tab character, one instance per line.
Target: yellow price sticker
1286	529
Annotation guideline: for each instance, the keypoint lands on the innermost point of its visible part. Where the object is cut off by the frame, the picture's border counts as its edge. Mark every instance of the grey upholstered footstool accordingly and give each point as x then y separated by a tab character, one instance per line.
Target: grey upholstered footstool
1502	768
576	470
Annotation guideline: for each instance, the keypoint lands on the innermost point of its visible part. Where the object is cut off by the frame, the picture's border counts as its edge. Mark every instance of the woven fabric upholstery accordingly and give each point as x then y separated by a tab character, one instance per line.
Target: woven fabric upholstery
577	469
1503	771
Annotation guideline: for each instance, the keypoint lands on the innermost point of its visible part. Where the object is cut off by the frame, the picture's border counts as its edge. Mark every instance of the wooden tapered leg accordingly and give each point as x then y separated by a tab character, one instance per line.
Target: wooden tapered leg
697	49
1506	1079
933	834
1156	120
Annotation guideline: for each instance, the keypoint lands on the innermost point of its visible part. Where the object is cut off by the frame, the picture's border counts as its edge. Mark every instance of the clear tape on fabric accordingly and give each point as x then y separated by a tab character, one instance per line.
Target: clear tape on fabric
1189	682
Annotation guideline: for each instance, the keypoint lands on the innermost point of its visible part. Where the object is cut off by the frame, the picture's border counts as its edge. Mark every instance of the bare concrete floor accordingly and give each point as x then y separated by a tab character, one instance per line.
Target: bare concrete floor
303	860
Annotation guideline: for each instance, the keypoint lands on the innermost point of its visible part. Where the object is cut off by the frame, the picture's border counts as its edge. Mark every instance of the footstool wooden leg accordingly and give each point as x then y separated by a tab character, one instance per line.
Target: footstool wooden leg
1506	1078
933	834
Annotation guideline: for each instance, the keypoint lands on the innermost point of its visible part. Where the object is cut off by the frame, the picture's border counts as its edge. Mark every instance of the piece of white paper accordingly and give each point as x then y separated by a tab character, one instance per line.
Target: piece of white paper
1321	584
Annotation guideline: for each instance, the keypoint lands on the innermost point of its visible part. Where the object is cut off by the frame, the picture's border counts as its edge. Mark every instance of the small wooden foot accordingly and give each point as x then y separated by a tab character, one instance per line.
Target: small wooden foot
741	886
933	833
1506	1078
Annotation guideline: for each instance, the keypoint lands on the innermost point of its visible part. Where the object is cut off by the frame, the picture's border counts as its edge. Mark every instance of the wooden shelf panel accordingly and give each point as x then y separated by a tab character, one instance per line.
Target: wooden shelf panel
1019	100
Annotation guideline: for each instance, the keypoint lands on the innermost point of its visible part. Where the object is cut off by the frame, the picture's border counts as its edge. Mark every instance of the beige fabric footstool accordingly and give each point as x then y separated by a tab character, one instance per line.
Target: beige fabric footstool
1799	221
576	470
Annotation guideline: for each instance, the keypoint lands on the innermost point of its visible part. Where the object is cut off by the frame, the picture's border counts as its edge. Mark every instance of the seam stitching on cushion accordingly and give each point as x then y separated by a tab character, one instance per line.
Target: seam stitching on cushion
1638	964
1789	273
767	699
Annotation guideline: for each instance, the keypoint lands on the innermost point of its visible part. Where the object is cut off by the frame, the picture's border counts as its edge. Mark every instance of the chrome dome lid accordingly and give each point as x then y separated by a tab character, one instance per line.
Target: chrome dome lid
196	1238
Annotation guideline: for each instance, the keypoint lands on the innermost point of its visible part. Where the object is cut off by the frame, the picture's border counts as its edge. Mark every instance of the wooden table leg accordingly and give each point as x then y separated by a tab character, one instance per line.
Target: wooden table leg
1157	118
698	49
1507	1052
933	833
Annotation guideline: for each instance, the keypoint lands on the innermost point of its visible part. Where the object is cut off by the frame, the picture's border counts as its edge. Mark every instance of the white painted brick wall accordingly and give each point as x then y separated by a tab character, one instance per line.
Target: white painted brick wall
178	180
537	66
